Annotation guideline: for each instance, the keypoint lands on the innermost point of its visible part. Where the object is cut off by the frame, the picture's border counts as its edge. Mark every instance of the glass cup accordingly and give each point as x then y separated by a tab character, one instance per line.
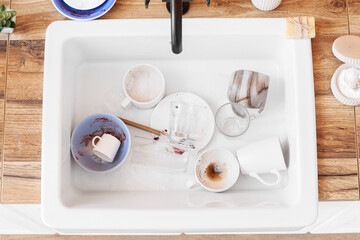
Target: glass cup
232	119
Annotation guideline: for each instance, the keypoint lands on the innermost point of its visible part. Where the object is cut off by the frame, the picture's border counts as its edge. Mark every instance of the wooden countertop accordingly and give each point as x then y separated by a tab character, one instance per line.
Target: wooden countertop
21	78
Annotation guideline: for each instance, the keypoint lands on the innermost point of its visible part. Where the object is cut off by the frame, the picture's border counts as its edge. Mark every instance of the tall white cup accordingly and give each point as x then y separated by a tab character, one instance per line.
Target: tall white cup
261	157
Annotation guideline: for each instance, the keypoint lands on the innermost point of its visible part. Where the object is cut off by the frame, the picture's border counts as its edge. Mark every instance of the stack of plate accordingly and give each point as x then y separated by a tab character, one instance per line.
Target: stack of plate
83	9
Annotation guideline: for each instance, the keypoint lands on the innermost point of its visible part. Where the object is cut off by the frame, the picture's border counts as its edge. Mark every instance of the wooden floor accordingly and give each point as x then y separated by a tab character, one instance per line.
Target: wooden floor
191	237
21	77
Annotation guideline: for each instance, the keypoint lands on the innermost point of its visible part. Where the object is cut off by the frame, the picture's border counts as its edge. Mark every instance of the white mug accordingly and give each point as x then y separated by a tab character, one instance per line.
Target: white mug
225	176
261	157
144	86
106	148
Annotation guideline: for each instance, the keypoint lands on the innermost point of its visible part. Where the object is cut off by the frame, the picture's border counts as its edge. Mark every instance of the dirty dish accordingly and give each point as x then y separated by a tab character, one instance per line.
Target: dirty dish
204	126
232	119
217	170
97	125
249	88
84	4
158	155
144	86
83	15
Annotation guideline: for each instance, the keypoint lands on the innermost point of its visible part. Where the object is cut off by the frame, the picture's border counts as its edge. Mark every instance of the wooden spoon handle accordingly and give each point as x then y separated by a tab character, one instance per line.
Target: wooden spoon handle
142	127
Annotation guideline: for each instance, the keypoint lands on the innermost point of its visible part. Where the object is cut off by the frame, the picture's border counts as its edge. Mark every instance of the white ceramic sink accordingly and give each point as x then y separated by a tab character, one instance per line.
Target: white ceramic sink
84	66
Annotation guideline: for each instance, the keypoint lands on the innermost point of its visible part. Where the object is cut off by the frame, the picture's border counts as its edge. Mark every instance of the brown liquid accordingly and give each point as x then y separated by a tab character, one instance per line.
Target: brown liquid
212	173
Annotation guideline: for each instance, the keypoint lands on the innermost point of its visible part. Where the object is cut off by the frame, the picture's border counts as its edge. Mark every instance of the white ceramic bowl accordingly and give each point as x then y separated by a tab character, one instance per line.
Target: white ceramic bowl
266	5
221	157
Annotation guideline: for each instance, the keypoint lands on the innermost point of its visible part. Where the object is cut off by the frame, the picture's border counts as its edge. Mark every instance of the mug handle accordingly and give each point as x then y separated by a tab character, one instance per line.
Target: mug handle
125	104
275	172
93	140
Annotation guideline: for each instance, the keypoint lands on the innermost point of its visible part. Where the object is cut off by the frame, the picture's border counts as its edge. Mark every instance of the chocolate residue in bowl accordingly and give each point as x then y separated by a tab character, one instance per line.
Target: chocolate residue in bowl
107	127
86	139
104	121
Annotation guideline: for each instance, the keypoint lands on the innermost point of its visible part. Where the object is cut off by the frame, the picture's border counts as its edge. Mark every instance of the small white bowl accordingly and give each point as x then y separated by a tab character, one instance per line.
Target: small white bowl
335	88
221	157
266	5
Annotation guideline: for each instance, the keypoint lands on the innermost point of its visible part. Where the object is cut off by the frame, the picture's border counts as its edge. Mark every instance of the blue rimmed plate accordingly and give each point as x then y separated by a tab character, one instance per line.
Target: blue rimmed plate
83	15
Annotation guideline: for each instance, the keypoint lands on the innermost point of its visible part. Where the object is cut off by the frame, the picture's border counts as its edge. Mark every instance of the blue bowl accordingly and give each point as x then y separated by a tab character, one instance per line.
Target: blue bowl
76	14
97	125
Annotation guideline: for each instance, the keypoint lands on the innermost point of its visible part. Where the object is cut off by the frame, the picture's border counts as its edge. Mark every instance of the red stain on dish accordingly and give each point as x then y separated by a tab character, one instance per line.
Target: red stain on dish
178	151
81	153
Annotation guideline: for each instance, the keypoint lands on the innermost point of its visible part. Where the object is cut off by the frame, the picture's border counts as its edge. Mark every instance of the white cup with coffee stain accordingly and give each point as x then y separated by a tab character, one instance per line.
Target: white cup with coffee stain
262	157
144	86
216	170
106	147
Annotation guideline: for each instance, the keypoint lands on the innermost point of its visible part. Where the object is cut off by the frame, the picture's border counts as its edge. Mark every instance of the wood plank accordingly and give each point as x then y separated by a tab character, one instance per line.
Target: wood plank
24	101
354	21
22	133
3	61
331	15
354	16
348	236
336	136
22	182
338	179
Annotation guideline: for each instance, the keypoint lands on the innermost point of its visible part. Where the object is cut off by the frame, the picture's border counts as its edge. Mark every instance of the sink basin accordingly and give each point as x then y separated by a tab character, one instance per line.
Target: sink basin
84	66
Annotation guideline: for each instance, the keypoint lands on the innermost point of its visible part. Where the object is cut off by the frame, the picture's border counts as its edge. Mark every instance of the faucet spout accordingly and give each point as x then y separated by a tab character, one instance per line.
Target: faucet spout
176	10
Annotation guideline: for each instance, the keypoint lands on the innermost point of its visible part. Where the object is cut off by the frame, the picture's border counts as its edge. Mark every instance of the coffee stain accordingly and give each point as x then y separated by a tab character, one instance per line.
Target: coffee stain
214	172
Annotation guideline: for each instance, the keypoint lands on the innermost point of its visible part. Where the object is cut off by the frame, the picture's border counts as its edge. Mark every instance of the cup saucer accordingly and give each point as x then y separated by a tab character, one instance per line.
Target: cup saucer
160	118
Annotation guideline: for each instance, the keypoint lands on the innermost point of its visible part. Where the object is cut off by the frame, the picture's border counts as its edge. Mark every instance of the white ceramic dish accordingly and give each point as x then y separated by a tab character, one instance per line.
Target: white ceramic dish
84	4
222	157
161	115
83	67
150	72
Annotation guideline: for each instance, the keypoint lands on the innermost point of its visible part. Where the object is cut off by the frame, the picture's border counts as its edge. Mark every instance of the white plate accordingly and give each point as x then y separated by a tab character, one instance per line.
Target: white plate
161	116
84	4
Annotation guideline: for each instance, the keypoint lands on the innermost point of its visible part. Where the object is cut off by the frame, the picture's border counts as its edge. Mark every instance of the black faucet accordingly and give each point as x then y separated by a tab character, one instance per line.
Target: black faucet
176	8
176	11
